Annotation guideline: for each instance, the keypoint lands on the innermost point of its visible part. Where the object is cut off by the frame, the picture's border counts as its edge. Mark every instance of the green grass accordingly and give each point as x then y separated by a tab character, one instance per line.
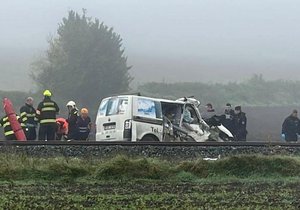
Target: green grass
22	167
238	182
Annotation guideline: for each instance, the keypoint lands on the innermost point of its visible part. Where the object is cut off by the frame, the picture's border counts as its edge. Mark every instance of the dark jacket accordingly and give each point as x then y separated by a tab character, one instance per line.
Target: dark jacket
291	127
28	115
8	131
47	111
72	120
227	119
208	114
84	127
240	125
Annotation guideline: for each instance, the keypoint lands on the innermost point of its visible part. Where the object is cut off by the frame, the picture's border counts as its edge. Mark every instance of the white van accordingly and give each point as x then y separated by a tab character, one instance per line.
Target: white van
129	117
138	118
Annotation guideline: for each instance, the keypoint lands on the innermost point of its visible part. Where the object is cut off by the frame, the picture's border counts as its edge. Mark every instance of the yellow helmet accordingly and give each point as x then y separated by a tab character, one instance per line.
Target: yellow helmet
47	93
84	111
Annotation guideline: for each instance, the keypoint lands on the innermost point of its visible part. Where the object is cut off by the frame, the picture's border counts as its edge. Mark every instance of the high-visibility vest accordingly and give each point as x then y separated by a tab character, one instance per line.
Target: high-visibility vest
8	131
46	111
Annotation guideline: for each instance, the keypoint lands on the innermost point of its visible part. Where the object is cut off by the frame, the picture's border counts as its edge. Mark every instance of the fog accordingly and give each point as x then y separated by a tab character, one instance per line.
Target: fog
170	40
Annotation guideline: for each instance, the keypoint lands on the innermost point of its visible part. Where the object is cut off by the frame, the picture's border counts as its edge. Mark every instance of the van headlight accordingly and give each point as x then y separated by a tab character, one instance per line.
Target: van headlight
127	124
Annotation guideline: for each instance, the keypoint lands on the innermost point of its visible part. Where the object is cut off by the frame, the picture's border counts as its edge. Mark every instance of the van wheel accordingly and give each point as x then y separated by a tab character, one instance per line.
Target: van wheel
149	138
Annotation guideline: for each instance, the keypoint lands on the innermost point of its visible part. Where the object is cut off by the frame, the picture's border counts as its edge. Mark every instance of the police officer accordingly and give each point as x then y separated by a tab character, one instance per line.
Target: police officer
72	119
28	115
46	114
290	127
240	124
227	118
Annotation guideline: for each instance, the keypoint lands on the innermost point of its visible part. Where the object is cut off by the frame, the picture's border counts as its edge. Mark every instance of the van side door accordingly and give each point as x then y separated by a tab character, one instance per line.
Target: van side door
147	119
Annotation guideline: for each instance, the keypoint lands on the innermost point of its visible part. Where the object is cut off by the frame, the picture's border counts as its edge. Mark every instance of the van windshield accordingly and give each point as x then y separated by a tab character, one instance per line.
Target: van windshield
113	106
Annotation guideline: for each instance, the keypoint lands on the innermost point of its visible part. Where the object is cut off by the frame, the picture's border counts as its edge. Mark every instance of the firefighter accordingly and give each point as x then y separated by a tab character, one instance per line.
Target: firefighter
28	115
8	131
290	127
46	114
72	119
240	124
84	125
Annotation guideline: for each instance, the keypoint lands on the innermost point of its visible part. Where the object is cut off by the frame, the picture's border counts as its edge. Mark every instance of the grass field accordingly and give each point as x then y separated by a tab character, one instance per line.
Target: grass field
240	182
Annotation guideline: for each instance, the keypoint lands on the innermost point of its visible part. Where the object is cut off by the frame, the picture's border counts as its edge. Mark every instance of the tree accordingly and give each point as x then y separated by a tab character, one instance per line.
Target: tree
84	63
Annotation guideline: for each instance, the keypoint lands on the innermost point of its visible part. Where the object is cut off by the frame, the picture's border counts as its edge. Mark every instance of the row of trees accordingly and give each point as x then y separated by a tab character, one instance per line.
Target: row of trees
254	92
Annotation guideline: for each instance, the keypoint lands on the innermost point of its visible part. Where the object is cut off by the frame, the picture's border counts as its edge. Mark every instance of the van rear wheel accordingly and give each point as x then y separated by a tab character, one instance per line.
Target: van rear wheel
149	138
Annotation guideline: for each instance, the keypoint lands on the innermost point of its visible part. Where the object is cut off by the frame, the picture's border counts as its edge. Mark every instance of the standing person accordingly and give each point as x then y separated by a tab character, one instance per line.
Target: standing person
46	114
84	125
290	127
209	113
72	119
240	124
28	115
8	131
227	118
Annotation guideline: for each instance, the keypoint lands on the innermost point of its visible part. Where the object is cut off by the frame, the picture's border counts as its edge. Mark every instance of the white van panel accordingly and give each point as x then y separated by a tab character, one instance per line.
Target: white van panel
144	114
112	114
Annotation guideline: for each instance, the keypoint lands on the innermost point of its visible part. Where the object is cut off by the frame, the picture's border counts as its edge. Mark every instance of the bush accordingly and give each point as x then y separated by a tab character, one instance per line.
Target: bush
123	167
245	166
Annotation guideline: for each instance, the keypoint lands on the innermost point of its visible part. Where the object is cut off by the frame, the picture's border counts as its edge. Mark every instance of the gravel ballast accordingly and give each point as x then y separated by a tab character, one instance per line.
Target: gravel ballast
166	152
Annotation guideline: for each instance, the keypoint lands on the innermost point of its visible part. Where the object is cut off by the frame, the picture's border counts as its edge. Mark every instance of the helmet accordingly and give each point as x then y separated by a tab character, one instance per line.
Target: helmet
84	111
47	93
71	103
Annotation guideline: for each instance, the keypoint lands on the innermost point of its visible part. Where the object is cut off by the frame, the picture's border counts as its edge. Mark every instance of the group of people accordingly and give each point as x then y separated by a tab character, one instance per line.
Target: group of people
78	124
76	127
233	119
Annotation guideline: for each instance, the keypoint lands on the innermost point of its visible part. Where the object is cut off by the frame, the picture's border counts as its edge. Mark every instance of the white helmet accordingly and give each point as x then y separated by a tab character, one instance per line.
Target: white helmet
71	104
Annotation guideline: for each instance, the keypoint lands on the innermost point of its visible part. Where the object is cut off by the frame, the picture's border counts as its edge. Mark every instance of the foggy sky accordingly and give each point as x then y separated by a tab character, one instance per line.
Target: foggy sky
166	40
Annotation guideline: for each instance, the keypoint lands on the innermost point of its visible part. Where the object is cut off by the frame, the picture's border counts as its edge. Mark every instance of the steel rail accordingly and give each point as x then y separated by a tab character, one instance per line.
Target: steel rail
169	144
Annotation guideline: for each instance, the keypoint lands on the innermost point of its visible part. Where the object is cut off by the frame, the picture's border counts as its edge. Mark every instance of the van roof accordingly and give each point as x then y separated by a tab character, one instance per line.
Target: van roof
129	96
156	99
171	101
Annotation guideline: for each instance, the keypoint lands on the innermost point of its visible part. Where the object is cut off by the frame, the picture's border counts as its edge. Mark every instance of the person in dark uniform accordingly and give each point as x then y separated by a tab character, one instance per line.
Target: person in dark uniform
8	131
227	118
291	127
46	114
240	124
72	119
208	113
28	115
84	125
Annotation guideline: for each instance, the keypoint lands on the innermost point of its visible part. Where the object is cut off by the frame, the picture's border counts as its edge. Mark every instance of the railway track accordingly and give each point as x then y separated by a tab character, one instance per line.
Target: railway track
169	144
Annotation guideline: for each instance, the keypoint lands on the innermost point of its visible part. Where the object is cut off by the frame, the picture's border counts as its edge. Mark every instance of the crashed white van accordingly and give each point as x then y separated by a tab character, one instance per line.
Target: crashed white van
139	118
